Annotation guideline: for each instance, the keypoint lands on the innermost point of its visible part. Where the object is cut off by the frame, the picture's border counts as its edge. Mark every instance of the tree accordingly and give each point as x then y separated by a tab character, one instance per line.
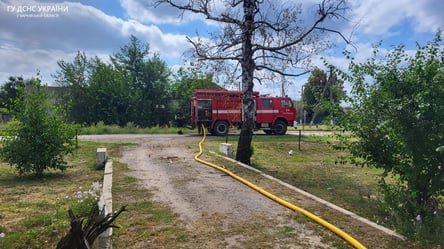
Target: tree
320	92
132	88
39	138
259	35
108	94
147	82
158	90
397	118
9	92
74	77
184	85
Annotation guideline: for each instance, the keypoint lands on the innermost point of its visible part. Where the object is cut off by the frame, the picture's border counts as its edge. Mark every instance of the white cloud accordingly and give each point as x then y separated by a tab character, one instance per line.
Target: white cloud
26	63
29	44
377	17
146	12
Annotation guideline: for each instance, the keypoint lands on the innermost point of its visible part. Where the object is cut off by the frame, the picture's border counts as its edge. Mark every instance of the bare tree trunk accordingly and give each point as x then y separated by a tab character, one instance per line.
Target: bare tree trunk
244	152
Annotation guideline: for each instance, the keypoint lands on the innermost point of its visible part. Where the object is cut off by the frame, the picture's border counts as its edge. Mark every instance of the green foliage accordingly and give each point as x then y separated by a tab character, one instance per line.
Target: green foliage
39	138
397	115
185	84
109	95
320	92
418	218
9	92
73	76
147	80
132	88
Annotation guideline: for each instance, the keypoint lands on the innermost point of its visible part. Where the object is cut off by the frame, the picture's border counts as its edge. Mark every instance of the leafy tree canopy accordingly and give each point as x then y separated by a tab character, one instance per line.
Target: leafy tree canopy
133	88
148	81
320	92
186	82
397	116
39	138
9	91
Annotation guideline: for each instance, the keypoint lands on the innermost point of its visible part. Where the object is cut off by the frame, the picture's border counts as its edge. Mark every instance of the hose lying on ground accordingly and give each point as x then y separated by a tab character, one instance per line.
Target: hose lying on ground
313	217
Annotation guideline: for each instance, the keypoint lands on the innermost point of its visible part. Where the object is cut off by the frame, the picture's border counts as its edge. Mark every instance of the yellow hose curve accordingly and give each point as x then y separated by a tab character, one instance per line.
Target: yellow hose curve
315	218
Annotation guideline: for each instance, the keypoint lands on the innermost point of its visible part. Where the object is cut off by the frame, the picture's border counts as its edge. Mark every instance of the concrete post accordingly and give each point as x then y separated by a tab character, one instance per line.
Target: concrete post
100	158
227	149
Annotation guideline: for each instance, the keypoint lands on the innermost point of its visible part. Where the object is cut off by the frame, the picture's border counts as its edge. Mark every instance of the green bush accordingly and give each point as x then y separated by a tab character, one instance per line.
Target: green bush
38	138
396	117
416	217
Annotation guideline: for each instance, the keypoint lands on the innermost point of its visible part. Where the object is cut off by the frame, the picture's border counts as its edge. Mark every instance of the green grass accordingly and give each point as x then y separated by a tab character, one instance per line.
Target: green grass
130	179
100	128
315	169
318	169
34	212
313	128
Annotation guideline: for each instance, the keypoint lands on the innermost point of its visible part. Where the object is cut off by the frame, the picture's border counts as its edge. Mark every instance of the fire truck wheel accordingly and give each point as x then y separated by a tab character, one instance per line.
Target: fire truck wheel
221	128
280	127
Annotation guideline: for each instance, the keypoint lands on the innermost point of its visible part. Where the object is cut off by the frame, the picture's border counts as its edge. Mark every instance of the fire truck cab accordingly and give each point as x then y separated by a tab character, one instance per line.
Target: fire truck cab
218	110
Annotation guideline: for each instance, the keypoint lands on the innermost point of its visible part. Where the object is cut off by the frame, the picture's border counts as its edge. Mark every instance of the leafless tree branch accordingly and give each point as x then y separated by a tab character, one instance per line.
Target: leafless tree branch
201	8
280	72
324	12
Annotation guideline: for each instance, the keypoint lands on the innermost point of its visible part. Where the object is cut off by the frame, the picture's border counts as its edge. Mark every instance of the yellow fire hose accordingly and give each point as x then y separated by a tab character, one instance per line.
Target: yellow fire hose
319	220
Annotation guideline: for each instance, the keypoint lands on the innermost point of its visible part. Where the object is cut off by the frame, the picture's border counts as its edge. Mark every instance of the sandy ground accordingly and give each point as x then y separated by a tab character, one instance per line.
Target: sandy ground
201	195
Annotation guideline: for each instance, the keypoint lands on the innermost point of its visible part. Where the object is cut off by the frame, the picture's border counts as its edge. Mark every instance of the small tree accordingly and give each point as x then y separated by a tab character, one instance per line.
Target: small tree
38	138
397	117
321	92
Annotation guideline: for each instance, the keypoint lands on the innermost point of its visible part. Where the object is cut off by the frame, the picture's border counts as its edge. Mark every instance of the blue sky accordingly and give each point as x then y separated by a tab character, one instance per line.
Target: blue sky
100	27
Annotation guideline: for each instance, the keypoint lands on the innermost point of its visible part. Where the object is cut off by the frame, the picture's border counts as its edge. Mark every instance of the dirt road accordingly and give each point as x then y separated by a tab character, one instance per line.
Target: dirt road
221	212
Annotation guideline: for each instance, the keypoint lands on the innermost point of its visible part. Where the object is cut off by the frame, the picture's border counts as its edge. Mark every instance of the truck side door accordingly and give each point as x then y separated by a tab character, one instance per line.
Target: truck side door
204	111
264	110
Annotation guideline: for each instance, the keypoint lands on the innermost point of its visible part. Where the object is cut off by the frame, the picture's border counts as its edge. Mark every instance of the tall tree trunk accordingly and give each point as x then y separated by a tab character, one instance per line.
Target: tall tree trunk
244	151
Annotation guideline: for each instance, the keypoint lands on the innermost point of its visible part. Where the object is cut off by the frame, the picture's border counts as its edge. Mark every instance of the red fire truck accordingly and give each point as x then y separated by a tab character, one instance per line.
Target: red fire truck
219	110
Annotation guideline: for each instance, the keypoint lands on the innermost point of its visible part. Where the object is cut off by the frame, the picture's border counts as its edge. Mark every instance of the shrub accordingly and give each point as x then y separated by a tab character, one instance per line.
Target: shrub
39	138
396	116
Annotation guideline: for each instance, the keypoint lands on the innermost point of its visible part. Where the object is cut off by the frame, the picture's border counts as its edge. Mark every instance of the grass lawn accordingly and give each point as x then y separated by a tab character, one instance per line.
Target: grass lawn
34	212
317	169
320	170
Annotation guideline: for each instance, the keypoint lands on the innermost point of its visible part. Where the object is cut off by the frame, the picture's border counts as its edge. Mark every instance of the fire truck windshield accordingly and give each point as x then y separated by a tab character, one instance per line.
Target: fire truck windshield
286	103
